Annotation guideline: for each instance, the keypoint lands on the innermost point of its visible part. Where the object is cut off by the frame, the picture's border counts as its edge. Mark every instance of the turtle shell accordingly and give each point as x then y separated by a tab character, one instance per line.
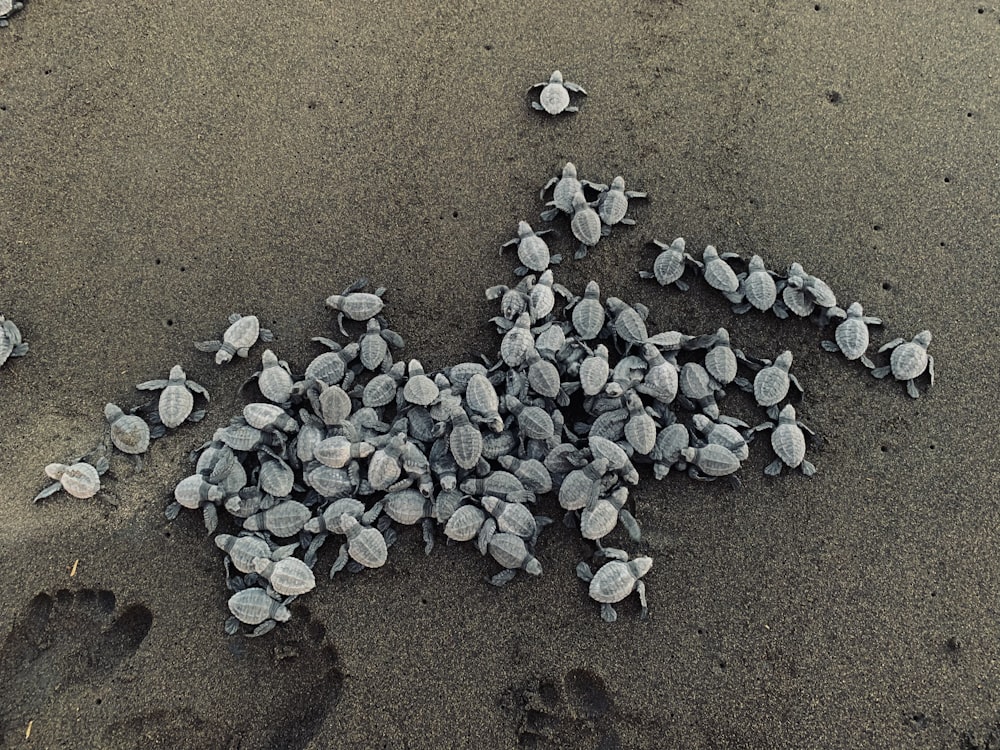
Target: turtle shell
908	361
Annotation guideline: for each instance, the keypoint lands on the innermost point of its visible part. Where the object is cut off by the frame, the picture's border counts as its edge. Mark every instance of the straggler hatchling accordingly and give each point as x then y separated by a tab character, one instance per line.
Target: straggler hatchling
130	433
909	360
554	97
531	250
253	606
11	344
851	337
355	304
243	332
671	264
615	580
176	402
81	480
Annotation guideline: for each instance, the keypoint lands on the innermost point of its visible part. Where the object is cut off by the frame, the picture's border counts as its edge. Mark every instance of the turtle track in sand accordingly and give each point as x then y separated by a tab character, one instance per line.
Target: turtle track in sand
61	640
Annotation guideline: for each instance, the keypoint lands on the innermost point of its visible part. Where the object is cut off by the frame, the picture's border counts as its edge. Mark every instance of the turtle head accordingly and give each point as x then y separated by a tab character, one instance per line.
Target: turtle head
640	566
556	77
112	412
533	567
570	169
618	183
923	338
225	354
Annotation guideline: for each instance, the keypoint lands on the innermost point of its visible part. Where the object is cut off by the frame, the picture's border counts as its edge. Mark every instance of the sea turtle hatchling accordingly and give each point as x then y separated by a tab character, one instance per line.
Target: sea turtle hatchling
365	545
254	606
612	204
513	554
81	479
671	264
565	186
615	580
788	439
588	312
355	304
11	344
532	250
376	346
7	9
720	275
908	361
586	225
130	433
288	577
757	287
243	332
773	383
555	95
274	379
177	399
851	336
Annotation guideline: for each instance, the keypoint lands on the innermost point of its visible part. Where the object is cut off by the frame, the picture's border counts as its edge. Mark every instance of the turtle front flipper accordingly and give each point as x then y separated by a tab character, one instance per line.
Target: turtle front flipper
50	490
204	346
608	613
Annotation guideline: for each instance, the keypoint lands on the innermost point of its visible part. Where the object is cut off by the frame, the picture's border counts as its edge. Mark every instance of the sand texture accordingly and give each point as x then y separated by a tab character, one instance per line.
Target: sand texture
165	164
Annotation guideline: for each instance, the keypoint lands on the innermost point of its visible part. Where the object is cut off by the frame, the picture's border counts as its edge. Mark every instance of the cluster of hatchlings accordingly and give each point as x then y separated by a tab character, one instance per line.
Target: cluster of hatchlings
580	398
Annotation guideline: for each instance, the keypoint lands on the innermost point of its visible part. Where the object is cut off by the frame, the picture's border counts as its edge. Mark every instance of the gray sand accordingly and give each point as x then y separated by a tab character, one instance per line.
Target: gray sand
167	166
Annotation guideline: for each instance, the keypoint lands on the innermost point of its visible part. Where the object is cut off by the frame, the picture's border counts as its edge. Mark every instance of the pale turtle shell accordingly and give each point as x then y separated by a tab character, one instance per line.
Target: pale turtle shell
586	223
253	606
588	314
718	273
713	460
852	336
908	360
365	544
511	552
616	579
243	550
465	523
759	288
789	443
288	577
80	480
129	433
283	520
554	97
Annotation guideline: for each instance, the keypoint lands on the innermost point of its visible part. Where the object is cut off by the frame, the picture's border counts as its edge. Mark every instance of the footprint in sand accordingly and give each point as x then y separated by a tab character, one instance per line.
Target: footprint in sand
63	640
578	713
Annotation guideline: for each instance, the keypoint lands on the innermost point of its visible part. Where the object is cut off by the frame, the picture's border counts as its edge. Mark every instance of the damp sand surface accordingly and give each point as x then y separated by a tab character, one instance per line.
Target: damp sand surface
165	166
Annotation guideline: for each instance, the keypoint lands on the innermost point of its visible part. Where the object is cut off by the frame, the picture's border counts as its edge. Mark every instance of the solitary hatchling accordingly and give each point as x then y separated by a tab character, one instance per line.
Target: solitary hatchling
11	344
176	402
81	480
253	606
586	225
355	304
243	332
554	97
615	580
671	264
532	250
908	361
851	337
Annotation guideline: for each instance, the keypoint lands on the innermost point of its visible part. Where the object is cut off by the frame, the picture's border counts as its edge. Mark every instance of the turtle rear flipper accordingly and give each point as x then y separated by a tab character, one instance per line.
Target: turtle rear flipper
50	490
773	469
207	346
20	350
881	372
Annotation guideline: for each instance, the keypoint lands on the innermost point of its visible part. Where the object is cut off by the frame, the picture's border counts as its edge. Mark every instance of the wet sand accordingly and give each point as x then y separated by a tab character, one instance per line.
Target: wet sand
166	166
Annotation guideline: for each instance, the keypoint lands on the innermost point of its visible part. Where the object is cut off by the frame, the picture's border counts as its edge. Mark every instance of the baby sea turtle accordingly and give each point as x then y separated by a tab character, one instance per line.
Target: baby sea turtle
909	360
513	554
288	577
757	287
671	265
81	480
719	274
615	580
177	399
566	185
254	606
531	250
130	433
274	378
355	304
851	337
789	443
7	9
601	516
710	461
612	204
586	225
11	344
376	346
243	332
554	97
365	545
773	382
588	312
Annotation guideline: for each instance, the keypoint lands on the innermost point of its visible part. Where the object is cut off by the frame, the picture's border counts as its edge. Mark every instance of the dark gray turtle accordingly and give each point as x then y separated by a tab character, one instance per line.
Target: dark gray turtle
513	554
288	577
554	96
355	304
757	287
274	379
851	337
586	225
7	9
376	345
671	264
130	433
566	185
81	480
720	275
711	461
588	312
601	516
612	204
531	250
789	442
908	361
11	344
254	606
243	332
615	580
667	453
176	402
